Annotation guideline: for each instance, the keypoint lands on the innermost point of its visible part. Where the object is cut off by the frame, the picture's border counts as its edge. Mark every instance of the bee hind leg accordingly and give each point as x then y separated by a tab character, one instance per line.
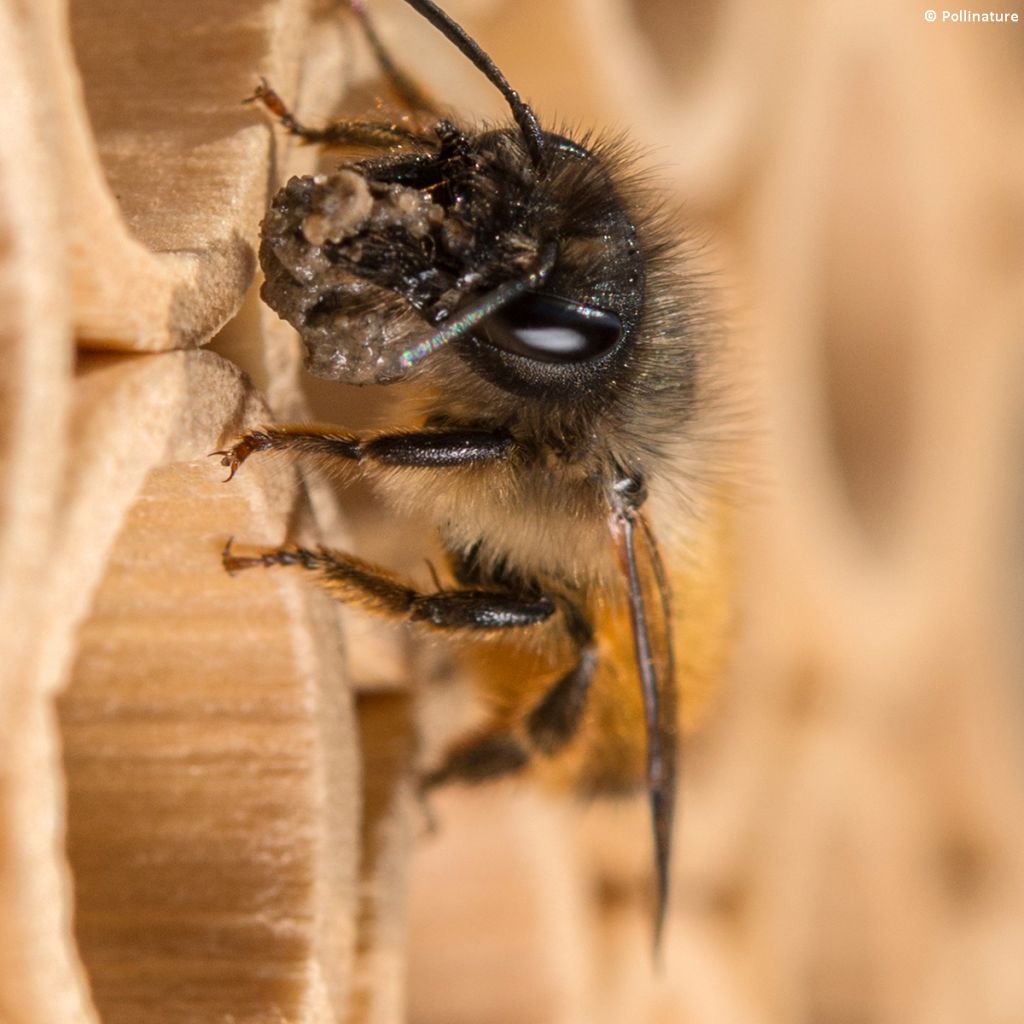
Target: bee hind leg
480	757
555	719
499	750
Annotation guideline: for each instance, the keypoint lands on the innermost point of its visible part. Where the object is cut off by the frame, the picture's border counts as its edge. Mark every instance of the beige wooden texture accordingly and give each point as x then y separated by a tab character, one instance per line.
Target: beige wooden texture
180	778
203	821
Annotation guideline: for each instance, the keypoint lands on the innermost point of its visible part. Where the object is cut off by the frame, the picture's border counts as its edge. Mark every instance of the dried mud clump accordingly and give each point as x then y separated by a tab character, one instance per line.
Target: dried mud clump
321	229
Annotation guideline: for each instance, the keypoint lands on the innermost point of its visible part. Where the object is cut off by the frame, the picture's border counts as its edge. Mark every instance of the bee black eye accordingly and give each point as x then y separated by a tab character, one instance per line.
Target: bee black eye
550	329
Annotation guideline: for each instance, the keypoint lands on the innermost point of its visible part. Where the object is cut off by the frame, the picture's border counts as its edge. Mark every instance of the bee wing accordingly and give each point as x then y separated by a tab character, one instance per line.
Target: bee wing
650	614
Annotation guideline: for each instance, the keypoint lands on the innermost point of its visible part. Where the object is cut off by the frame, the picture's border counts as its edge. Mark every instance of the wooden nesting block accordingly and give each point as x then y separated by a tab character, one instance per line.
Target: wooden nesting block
208	744
497	924
40	978
166	170
386	731
181	834
181	841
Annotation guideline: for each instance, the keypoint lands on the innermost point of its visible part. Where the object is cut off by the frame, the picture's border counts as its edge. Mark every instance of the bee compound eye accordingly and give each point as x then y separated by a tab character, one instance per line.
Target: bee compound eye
550	329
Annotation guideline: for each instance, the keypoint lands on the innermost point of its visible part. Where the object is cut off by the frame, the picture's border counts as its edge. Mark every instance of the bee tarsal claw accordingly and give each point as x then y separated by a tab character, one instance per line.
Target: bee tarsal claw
260	92
226	460
233	563
234	456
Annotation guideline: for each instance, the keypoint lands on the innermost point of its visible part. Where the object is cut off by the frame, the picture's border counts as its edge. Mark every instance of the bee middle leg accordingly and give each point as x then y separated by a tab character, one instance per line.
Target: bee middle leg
498	750
355	582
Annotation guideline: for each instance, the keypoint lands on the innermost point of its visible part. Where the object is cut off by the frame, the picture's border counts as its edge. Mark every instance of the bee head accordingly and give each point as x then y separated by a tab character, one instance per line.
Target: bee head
534	274
512	243
574	327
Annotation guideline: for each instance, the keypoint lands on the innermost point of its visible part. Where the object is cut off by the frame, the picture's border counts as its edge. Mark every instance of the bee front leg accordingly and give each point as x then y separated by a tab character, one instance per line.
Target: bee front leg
346	132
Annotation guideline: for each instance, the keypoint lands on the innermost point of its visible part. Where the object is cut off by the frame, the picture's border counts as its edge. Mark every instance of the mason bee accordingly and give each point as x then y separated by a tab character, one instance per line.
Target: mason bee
527	284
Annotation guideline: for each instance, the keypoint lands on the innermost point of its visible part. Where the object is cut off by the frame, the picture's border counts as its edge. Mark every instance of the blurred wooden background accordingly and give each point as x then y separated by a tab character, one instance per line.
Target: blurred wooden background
192	830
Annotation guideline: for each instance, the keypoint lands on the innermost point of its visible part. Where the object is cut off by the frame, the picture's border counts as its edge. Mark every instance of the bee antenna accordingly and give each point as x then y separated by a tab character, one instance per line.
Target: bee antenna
524	116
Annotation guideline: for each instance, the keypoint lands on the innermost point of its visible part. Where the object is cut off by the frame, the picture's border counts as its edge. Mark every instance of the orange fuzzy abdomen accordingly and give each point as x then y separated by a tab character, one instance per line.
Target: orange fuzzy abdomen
608	753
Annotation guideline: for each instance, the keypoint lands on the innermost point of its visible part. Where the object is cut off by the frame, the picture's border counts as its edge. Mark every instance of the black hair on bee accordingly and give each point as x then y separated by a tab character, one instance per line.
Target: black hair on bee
529	282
